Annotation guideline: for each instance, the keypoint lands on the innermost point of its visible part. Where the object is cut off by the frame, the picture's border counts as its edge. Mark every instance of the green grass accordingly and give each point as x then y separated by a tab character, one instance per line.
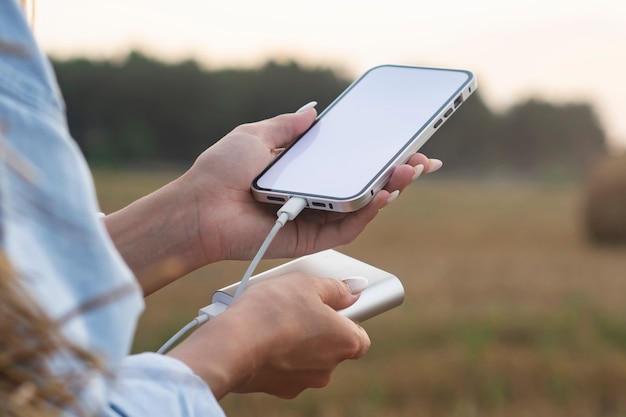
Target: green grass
508	310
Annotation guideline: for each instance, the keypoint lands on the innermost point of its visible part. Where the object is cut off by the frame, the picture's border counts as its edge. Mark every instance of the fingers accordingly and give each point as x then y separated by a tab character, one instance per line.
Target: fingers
401	177
430	164
355	285
338	294
434	165
342	294
306	107
281	130
310	105
416	166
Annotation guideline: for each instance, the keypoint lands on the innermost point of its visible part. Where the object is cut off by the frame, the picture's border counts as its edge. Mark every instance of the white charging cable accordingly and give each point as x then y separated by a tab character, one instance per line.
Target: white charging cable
287	212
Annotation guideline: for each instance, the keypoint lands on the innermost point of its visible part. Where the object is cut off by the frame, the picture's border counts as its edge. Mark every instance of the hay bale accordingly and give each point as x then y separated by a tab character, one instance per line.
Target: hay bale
605	201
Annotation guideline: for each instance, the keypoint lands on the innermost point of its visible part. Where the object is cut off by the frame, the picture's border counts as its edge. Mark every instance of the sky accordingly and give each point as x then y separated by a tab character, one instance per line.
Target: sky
557	50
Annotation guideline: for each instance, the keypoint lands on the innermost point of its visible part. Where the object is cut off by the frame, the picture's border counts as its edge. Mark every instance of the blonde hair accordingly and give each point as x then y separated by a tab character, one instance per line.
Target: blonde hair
30	339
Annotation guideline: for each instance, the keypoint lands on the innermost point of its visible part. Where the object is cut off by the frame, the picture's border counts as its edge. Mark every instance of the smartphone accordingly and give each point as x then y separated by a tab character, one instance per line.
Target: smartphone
384	290
376	124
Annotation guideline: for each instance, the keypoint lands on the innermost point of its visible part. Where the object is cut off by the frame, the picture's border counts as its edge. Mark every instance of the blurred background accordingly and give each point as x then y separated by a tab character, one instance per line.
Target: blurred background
513	256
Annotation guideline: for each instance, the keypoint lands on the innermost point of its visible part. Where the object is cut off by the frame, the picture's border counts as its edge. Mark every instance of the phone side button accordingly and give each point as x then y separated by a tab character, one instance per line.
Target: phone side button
449	112
438	123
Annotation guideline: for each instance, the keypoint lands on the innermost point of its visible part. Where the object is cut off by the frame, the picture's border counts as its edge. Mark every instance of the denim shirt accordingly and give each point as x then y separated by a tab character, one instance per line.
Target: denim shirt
56	242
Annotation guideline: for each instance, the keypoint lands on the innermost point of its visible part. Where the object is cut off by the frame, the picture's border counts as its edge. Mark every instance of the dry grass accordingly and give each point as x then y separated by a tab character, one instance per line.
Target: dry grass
509	312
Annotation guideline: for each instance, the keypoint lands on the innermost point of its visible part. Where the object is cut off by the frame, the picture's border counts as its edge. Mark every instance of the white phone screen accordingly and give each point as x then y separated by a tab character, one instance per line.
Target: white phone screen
361	132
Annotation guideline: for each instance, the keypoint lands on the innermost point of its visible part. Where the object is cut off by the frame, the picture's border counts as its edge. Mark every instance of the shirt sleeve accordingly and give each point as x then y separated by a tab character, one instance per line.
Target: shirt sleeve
150	384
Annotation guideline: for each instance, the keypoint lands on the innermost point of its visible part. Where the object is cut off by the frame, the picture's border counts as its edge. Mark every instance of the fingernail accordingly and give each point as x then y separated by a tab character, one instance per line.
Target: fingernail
434	165
418	171
393	196
356	284
307	106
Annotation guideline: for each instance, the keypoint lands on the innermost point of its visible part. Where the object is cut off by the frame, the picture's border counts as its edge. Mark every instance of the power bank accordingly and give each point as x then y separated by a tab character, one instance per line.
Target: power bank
384	291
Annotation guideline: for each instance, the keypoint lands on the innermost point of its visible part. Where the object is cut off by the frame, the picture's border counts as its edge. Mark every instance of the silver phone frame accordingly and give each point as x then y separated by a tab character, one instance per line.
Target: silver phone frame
359	200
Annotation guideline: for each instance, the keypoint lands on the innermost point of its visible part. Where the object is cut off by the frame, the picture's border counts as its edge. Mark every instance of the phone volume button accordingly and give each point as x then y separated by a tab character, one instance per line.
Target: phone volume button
438	123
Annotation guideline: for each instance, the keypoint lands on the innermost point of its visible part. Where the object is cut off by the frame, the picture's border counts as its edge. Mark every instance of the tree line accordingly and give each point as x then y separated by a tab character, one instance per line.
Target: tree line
142	110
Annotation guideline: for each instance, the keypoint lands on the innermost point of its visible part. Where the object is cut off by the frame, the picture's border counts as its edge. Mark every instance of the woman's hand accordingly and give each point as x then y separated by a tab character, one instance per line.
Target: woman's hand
232	224
281	336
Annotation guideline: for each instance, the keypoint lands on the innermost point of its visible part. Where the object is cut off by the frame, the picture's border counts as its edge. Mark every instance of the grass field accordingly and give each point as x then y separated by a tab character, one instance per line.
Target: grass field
508	311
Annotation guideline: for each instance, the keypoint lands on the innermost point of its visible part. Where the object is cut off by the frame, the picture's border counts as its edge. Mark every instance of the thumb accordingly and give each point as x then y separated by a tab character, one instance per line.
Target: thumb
283	129
356	285
340	294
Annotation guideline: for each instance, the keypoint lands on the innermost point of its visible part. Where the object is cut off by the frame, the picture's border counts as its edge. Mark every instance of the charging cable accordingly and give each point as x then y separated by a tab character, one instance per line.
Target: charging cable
287	212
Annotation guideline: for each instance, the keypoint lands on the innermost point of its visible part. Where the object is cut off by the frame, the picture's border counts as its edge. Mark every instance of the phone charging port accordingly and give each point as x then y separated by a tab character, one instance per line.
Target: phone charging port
272	198
318	204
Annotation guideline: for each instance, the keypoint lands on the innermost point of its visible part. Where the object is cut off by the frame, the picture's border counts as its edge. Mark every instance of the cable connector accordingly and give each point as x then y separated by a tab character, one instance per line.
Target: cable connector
290	209
212	310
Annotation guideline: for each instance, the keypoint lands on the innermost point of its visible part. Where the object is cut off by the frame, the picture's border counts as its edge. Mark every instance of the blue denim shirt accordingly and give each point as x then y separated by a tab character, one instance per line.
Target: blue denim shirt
59	247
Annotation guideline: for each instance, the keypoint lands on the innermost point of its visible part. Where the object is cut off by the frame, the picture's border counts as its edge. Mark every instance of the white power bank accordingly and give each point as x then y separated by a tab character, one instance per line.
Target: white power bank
384	291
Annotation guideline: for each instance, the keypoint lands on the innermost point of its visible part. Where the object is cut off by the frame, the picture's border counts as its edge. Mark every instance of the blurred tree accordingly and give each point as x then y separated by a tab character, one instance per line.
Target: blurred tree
552	140
145	109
